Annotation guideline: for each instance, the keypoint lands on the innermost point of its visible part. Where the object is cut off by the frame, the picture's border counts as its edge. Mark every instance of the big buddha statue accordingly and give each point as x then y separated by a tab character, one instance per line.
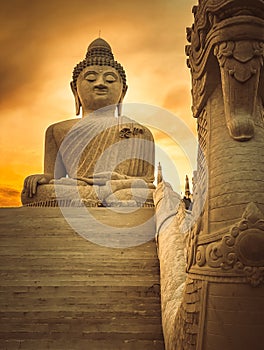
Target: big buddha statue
102	158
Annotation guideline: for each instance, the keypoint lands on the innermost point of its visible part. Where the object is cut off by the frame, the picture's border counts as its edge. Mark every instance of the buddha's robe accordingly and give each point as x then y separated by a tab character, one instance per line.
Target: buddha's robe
105	145
103	157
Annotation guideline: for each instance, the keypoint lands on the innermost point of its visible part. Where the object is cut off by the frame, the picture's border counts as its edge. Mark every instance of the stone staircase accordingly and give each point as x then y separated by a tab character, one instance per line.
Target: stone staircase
60	291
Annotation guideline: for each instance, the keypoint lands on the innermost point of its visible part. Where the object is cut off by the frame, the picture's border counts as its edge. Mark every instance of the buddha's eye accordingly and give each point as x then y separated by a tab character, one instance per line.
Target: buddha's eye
90	77
109	78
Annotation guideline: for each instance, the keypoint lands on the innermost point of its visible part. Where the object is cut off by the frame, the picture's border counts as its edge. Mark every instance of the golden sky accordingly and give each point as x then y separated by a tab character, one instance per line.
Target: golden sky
42	41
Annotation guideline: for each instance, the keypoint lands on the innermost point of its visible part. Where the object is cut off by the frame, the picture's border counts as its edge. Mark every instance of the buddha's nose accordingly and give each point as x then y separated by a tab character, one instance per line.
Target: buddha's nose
100	82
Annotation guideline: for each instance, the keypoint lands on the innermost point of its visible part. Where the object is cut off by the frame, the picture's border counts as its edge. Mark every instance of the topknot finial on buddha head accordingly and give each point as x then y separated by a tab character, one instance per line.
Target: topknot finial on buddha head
99	47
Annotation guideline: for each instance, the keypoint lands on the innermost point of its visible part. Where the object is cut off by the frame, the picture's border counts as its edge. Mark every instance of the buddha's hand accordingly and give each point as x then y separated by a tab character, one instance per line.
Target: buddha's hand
31	182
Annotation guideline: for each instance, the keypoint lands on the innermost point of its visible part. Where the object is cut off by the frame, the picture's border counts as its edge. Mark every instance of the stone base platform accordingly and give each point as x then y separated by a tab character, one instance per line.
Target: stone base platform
62	291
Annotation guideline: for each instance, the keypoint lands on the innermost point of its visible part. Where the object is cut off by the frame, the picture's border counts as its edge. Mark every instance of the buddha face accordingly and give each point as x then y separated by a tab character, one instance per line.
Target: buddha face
98	87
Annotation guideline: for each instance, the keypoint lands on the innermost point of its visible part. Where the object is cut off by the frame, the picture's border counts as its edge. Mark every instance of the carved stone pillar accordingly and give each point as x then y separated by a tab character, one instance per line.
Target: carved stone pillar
225	57
222	306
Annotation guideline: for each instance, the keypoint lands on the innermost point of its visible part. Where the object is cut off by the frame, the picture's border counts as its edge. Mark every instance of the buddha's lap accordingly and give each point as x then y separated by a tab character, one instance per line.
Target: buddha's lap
63	193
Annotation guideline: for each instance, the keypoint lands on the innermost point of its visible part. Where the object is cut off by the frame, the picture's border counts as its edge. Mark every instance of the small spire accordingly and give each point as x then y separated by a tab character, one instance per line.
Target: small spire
187	187
187	197
159	177
99	33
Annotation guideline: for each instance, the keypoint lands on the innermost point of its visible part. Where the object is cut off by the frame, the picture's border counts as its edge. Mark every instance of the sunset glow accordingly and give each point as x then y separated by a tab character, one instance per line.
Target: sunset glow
41	44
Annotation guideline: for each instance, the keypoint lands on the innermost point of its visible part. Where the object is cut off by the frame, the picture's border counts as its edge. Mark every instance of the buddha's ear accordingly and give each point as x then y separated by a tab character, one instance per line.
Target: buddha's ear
76	98
119	106
124	92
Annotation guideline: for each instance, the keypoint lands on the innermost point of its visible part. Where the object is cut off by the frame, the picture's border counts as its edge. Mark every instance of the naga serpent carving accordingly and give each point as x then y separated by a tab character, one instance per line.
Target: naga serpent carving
223	300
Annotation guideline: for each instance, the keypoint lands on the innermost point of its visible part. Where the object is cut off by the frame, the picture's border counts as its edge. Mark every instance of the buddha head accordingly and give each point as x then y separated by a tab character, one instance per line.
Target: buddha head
98	80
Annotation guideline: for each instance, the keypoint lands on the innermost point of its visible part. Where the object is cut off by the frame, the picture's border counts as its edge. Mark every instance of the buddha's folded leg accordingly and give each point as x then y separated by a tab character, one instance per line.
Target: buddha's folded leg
61	195
113	192
140	196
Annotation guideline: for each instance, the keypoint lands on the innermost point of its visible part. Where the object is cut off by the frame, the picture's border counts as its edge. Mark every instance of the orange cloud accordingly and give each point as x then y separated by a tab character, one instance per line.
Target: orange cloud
9	197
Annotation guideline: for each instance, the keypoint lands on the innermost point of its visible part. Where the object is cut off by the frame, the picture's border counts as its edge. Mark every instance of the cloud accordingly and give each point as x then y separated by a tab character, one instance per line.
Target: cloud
9	197
176	98
42	42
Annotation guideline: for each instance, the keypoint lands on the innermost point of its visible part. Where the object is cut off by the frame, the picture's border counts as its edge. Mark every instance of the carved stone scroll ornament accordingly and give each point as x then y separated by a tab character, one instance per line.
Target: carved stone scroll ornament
240	64
241	251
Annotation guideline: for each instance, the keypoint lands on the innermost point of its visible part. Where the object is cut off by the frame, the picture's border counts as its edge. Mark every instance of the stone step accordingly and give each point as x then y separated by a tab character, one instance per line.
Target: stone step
90	326
81	344
67	316
68	291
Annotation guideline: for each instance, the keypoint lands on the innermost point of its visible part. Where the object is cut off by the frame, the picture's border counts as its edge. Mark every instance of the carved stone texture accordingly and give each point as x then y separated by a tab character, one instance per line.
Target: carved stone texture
225	246
188	316
167	205
172	221
234	29
240	65
239	252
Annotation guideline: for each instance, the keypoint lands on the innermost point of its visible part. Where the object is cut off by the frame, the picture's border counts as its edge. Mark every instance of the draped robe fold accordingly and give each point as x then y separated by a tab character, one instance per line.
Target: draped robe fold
97	145
106	155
